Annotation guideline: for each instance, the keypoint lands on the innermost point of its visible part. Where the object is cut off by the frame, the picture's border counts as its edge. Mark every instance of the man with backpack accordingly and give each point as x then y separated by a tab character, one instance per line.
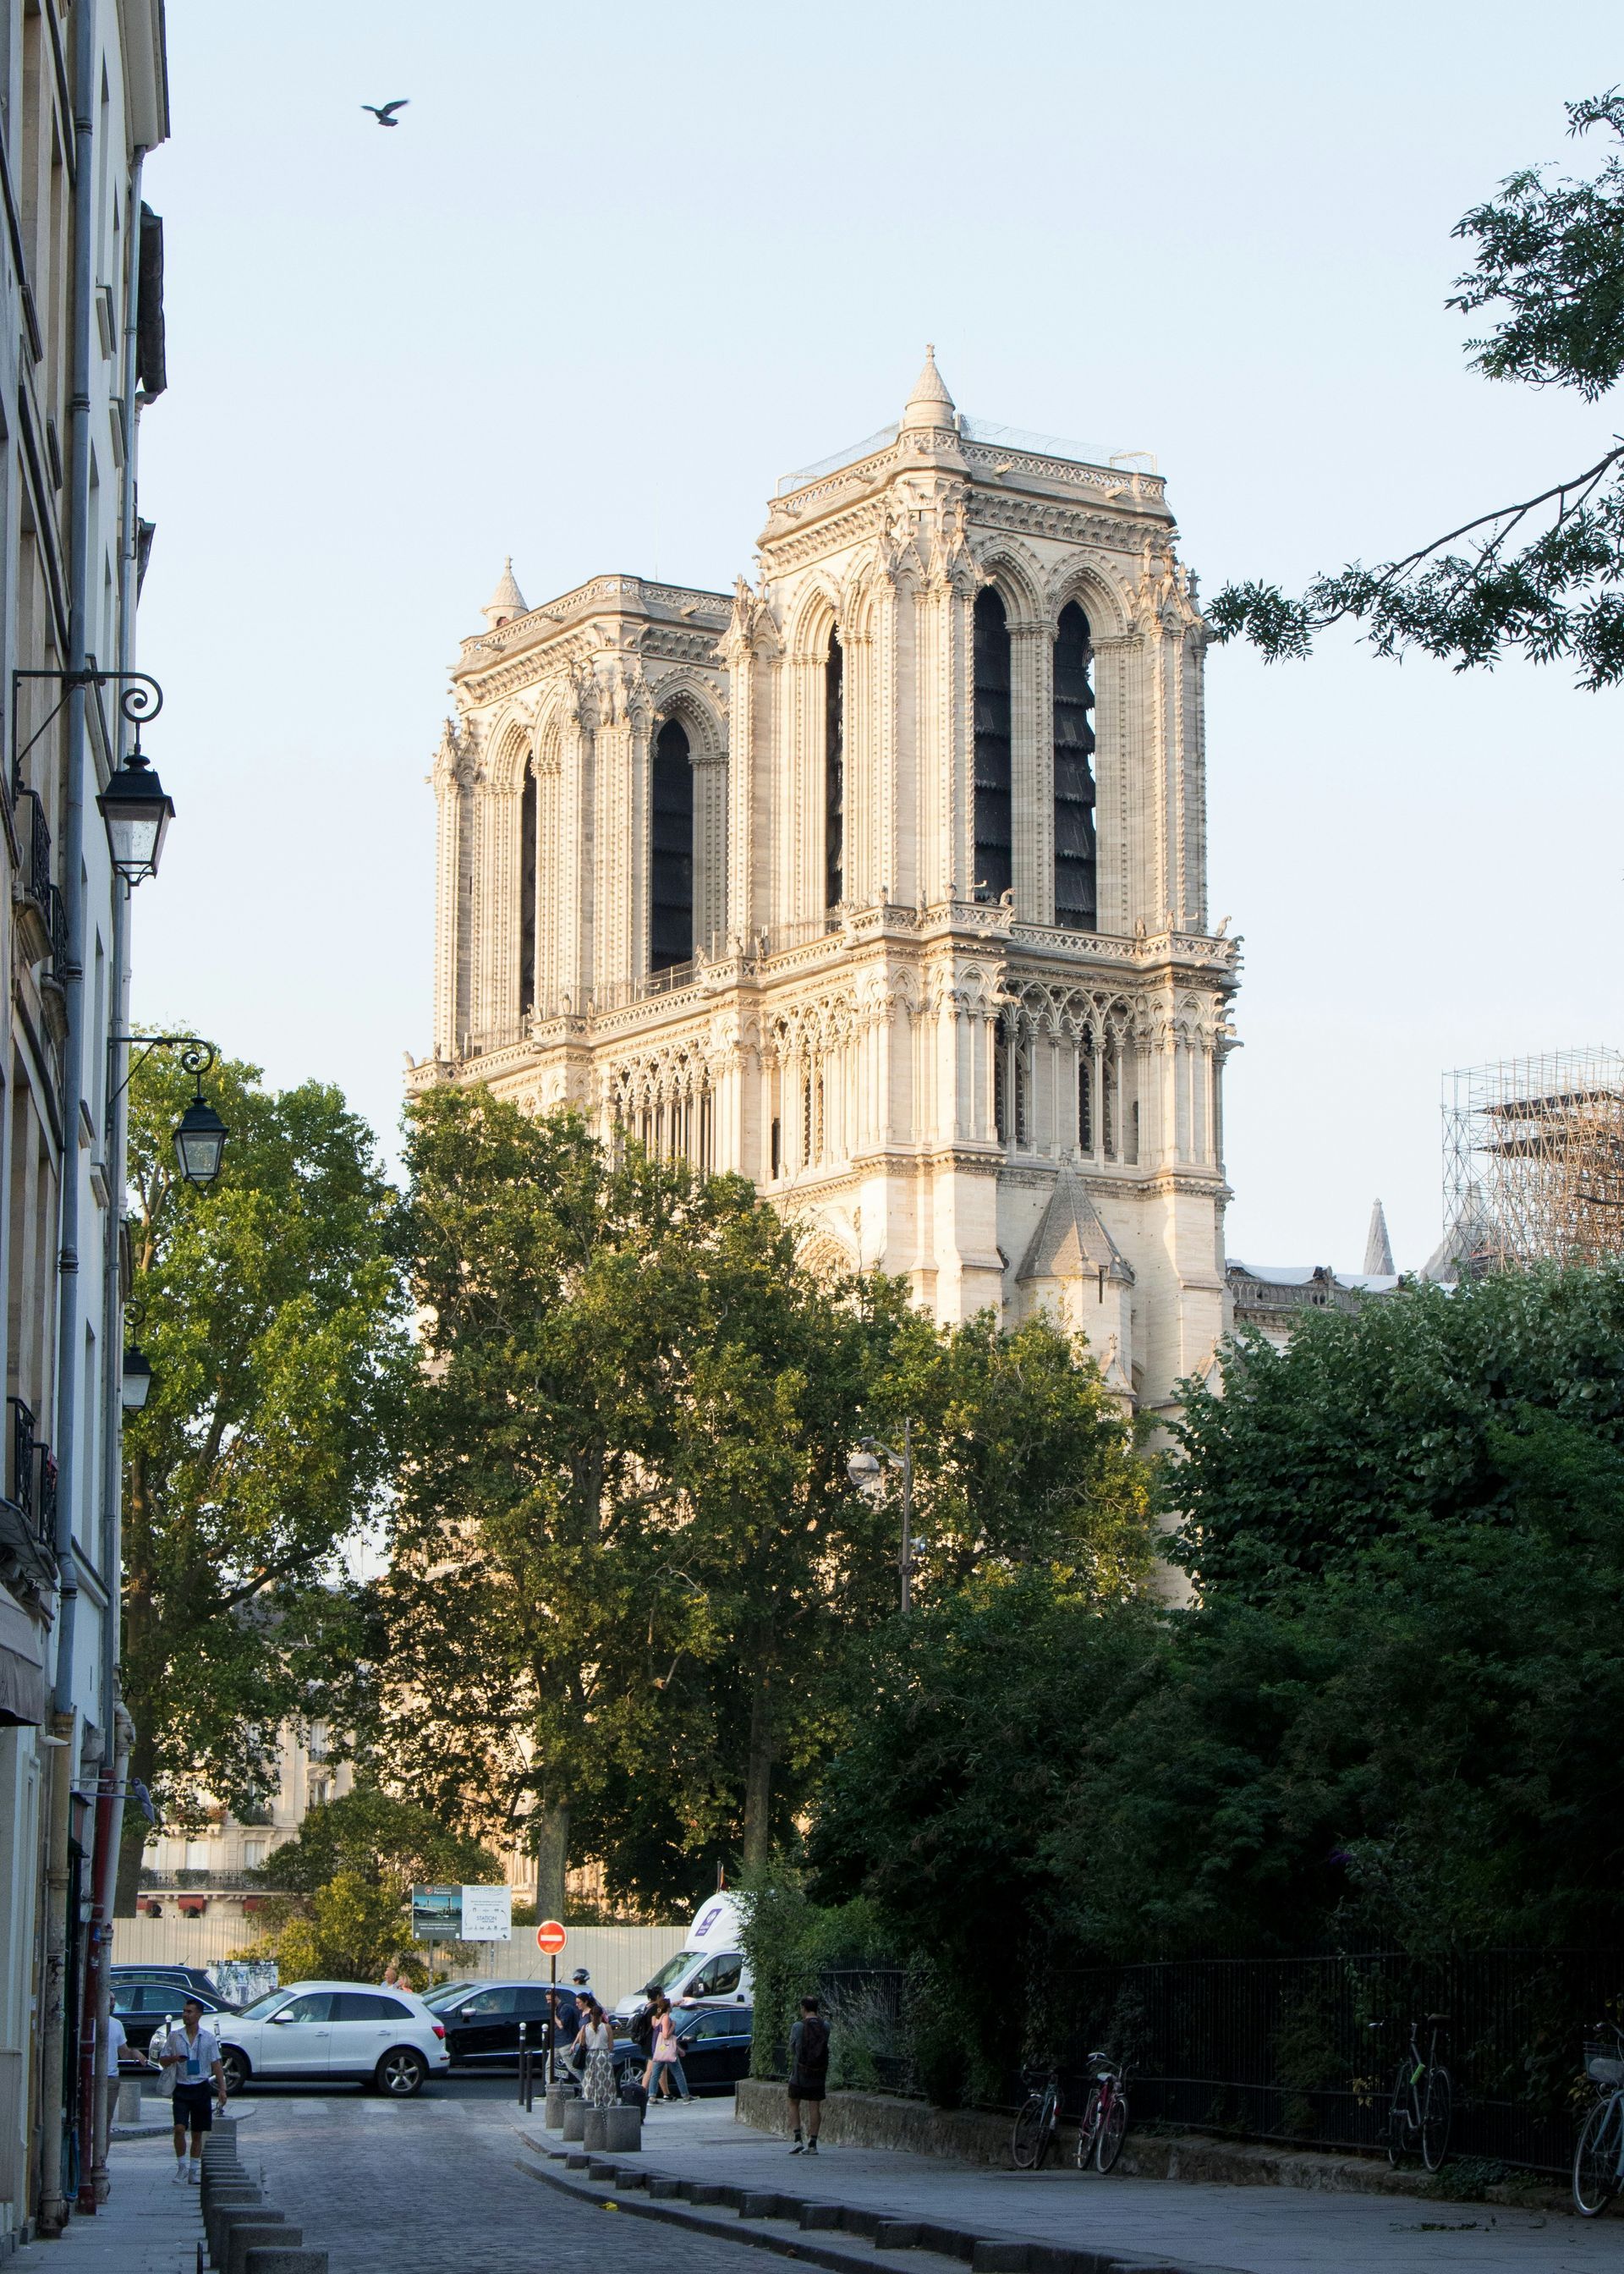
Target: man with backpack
808	2073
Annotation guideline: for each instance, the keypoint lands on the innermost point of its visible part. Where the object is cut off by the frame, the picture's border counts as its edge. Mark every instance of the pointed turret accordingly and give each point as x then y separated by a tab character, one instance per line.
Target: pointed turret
930	404
1378	1246
507	601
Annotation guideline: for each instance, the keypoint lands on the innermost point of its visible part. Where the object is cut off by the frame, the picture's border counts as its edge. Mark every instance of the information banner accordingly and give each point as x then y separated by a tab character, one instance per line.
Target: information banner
487	1914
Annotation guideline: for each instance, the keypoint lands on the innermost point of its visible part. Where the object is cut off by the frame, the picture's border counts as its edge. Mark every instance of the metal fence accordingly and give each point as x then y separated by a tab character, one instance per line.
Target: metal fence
1303	2051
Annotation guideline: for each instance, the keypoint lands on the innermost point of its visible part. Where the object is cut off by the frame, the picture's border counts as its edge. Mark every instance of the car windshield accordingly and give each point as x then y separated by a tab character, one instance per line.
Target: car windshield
674	1969
446	1993
261	2006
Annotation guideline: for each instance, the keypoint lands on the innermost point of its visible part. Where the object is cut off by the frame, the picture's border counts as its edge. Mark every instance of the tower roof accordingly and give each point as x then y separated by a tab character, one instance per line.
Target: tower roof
1378	1246
929	404
507	600
1070	1241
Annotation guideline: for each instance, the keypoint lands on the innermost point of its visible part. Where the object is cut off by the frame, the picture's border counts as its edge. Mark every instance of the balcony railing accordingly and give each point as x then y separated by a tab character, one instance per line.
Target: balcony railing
34	1473
41	917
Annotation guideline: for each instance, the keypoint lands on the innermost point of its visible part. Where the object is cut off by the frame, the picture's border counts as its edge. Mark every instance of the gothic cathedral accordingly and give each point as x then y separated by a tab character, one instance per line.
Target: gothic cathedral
883	882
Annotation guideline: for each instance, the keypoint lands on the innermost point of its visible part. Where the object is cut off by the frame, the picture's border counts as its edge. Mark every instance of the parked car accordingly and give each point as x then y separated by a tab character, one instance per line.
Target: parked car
310	2031
446	1993
185	1978
143	2002
483	2027
714	2042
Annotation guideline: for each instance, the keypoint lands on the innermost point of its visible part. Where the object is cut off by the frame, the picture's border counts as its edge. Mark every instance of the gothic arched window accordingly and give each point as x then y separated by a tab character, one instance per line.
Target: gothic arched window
994	861
670	851
526	895
1076	870
834	776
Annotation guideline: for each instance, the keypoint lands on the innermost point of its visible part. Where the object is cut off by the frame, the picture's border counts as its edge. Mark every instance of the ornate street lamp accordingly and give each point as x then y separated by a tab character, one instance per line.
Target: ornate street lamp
866	1468
200	1134
137	813
138	1379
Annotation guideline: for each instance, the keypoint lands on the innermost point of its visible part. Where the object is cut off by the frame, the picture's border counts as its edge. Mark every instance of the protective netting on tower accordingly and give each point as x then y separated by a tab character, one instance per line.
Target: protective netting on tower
1534	1160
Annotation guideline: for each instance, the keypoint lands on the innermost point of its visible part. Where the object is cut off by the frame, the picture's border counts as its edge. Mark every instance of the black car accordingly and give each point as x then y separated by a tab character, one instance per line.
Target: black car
142	2001
713	2041
185	1978
483	2026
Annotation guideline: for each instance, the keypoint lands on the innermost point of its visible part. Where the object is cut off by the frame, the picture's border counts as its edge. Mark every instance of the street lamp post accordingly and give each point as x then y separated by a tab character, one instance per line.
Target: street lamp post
200	1134
865	1468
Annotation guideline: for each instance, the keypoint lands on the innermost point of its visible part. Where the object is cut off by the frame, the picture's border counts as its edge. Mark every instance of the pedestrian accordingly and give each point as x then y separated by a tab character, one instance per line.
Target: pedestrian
193	2053
809	2073
597	2041
582	1982
392	1976
664	2062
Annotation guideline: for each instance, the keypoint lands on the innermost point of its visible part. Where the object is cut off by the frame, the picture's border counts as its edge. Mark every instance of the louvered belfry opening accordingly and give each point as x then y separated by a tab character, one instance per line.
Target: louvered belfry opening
994	862
527	896
671	862
1076	863
834	776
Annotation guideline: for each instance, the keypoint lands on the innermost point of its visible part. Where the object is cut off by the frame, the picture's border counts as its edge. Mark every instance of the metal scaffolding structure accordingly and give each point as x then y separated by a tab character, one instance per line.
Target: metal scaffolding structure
1534	1161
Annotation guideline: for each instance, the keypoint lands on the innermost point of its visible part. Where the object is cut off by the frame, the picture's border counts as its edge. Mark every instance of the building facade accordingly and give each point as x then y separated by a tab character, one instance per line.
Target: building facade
882	881
83	94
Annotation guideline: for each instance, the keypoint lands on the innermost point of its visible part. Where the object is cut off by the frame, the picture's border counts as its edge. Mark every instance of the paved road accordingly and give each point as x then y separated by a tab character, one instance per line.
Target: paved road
424	2186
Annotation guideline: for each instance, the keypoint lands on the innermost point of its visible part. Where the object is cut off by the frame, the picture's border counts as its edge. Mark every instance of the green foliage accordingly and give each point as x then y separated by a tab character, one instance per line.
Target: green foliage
274	1315
789	1941
347	1878
1544	576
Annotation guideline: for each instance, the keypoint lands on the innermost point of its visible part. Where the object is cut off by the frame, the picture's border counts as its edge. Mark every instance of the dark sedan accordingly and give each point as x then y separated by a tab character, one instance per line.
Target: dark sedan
142	2004
714	2042
483	2027
185	1978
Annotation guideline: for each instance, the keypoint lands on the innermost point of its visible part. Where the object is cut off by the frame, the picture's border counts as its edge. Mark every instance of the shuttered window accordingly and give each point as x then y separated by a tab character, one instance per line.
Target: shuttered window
994	865
1076	864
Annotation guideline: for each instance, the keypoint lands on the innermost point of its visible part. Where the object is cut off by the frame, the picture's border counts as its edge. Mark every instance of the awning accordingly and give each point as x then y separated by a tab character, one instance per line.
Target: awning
23	1696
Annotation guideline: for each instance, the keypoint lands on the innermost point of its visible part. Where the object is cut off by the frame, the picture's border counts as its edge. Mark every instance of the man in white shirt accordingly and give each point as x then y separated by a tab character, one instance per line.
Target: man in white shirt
193	2053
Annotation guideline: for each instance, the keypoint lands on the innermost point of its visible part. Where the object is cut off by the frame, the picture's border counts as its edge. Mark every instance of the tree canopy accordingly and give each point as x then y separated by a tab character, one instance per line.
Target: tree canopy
1542	575
274	1314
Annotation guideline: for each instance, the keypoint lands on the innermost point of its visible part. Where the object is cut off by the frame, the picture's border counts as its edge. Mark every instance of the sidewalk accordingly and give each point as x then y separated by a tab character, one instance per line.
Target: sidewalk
148	2224
1223	2230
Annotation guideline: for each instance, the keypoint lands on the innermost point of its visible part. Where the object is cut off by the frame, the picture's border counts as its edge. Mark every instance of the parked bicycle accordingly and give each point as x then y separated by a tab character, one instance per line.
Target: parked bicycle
1598	2159
1105	2115
1034	2126
1423	2102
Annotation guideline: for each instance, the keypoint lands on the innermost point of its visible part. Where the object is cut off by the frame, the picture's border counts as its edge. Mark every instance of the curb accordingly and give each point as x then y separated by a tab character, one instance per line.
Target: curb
677	2201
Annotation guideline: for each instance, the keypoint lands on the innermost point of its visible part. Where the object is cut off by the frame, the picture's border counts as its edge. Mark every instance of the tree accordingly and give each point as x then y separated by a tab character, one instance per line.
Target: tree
1426	1407
344	1885
274	1315
1545	574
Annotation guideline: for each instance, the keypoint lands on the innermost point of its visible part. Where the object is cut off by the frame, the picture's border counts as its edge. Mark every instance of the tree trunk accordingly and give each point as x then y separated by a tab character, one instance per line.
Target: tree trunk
758	1768
552	1859
143	1764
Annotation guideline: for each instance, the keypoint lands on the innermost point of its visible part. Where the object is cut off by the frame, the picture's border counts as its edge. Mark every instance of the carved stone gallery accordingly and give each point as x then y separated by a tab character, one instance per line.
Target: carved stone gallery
882	881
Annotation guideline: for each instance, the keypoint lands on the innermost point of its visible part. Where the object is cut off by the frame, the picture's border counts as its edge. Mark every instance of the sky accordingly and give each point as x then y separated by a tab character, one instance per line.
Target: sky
618	269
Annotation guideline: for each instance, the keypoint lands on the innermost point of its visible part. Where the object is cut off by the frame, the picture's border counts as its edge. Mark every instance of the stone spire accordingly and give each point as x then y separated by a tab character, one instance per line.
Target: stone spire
1378	1246
507	600
930	404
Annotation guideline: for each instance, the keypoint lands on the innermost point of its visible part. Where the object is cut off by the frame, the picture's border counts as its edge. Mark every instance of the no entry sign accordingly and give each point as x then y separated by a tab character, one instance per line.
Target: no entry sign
549	1937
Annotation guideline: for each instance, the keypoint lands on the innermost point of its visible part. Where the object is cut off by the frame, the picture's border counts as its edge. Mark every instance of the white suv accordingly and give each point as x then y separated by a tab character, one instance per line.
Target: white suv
308	2032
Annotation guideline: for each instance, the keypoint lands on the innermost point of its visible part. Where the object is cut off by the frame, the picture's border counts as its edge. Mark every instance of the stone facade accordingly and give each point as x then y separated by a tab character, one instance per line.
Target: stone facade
882	880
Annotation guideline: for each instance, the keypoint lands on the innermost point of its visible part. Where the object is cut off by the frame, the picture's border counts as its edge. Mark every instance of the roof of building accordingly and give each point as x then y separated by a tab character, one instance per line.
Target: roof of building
929	404
1071	1239
507	600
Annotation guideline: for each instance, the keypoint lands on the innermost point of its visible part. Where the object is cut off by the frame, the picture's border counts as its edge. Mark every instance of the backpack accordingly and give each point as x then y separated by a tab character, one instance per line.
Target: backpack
642	2030
813	2057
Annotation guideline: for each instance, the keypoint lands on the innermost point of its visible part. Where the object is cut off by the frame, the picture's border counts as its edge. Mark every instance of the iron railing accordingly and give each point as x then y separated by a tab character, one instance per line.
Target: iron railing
34	1473
1303	2051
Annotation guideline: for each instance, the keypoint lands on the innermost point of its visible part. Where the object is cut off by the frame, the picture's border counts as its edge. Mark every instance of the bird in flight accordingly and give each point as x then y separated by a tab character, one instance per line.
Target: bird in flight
384	113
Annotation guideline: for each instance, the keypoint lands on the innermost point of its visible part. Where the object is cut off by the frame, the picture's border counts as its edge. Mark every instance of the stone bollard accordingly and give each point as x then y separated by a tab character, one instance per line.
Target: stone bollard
558	2101
575	2120
220	2218
273	2235
612	2131
128	2110
275	2261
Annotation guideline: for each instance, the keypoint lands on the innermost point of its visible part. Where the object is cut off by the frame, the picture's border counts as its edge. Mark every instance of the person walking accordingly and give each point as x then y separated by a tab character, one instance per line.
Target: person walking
809	2073
193	2053
597	2044
664	2062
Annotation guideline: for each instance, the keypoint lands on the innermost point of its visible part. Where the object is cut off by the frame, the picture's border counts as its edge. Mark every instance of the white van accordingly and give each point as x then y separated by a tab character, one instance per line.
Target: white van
710	1969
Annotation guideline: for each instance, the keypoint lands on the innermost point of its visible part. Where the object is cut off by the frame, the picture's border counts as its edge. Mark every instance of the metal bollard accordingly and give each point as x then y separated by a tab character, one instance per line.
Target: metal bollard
526	2069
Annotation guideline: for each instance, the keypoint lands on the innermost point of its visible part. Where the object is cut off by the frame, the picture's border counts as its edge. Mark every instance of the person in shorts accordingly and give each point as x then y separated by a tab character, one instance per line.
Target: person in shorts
193	2053
809	2073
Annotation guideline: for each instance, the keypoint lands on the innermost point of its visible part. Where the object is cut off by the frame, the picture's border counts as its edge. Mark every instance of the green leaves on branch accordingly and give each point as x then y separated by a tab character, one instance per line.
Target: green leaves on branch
1542	577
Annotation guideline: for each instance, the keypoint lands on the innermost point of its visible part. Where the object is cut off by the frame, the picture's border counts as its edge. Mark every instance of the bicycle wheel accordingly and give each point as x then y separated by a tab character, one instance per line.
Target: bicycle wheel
1437	2108
1088	2130
1047	2122
1401	2124
1028	2140
1111	2132
1596	2159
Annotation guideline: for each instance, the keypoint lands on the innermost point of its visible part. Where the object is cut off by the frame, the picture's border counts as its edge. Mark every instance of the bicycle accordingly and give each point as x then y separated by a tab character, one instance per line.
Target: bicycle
1423	2102
1599	2158
1034	2126
1105	2117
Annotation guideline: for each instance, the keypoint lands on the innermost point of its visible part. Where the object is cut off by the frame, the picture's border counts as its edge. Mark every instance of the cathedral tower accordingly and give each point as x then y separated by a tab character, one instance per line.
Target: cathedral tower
882	881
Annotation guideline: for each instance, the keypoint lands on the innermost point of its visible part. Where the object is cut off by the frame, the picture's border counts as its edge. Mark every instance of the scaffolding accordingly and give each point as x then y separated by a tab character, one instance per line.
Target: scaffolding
1534	1161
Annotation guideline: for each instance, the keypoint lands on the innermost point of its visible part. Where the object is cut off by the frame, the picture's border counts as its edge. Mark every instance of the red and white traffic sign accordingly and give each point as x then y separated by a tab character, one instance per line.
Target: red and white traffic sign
549	1937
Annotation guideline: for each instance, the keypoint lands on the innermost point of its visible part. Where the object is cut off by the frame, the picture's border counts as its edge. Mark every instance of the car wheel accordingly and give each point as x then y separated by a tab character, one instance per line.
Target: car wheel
401	2073
234	2068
